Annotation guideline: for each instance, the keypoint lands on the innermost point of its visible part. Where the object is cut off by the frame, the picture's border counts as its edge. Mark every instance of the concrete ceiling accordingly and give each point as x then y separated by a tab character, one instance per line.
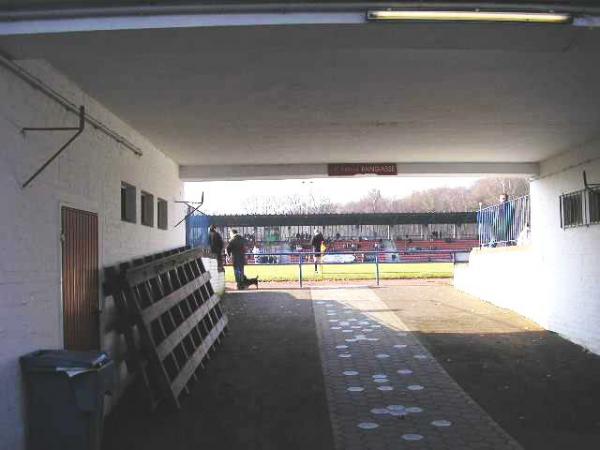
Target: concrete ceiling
341	93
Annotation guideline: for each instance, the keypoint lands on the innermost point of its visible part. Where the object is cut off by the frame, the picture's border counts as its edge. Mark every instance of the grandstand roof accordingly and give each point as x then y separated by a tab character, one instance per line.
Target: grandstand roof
265	220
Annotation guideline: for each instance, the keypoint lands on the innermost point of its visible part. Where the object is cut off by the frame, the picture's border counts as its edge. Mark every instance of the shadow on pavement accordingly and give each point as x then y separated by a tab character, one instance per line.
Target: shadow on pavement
262	389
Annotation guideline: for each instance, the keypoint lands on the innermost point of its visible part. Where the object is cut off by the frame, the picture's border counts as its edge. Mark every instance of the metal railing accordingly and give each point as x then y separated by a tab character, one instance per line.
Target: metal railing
378	258
504	224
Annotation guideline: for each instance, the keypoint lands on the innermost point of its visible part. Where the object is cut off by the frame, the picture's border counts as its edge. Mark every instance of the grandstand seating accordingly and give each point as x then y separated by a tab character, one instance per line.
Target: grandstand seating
453	245
404	250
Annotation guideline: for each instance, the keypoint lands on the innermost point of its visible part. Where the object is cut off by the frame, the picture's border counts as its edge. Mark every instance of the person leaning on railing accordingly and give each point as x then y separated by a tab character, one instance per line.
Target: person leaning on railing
503	219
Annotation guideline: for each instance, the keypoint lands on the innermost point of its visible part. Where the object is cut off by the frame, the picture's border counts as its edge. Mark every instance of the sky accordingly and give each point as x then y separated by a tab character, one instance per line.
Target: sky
231	197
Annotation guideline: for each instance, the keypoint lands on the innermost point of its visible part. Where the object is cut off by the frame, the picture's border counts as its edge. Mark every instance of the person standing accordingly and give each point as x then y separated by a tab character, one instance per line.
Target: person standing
256	253
216	246
316	242
504	221
236	251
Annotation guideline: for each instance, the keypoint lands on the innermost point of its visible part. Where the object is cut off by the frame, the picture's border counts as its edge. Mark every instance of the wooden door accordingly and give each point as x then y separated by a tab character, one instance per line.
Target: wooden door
80	279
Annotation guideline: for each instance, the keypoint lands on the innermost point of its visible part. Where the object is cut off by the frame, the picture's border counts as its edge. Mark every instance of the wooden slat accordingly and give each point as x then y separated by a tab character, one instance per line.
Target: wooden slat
135	363
157	309
167	346
186	372
144	272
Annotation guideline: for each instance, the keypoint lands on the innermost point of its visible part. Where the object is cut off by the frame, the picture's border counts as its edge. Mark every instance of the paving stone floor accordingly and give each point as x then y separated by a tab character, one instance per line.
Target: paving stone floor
384	389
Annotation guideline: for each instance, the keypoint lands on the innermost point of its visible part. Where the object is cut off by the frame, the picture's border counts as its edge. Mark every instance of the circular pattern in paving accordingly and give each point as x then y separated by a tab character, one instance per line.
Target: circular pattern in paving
395	407
441	423
364	378
412	437
414	410
367	425
385	388
355	389
380	411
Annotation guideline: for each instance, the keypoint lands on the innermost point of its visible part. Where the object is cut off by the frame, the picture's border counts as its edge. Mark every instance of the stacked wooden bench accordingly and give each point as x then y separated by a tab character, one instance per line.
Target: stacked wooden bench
168	299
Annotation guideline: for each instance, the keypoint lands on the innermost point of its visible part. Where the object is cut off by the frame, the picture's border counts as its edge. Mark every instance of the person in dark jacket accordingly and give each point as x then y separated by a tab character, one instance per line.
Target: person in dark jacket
216	246
316	242
236	251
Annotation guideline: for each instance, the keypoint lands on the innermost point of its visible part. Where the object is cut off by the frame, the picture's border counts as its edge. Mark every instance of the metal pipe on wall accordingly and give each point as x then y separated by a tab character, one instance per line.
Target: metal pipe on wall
38	84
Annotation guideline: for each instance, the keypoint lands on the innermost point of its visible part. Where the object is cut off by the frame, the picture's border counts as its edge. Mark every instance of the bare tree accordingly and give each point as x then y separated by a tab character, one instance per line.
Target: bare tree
485	190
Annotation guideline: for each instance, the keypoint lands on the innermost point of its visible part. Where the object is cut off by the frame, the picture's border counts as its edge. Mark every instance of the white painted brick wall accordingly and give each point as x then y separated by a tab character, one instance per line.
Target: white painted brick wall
217	279
556	282
87	176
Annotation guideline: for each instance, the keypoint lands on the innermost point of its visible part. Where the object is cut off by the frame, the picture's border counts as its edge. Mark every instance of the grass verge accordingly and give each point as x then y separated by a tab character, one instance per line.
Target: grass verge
289	272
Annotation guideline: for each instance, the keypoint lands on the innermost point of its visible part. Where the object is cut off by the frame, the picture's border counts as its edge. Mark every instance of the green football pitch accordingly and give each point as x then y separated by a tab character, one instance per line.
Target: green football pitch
289	272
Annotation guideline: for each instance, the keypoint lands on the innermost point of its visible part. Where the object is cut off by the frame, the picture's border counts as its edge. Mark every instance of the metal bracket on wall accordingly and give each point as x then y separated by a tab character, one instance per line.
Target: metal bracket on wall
79	129
191	209
589	185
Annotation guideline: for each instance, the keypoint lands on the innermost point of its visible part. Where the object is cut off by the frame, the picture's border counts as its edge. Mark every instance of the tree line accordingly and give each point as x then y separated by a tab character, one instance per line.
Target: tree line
484	191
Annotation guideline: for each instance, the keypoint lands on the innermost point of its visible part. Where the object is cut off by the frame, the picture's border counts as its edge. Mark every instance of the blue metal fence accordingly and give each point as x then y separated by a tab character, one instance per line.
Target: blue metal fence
505	223
196	230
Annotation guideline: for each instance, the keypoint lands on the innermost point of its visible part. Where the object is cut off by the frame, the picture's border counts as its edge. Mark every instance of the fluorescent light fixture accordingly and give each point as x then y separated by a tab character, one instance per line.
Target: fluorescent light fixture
469	16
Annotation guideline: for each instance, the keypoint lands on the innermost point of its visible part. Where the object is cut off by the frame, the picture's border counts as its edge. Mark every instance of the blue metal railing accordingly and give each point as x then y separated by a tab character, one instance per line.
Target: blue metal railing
376	257
505	223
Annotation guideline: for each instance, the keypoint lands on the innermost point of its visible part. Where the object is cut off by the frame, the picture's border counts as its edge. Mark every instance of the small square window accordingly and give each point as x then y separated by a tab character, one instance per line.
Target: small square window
163	216
128	206
147	209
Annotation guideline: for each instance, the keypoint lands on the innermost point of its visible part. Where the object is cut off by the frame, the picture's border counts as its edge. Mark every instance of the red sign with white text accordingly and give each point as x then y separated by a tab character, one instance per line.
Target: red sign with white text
349	169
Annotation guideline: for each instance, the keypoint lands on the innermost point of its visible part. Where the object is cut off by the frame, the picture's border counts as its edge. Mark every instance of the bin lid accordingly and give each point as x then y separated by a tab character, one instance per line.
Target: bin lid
57	360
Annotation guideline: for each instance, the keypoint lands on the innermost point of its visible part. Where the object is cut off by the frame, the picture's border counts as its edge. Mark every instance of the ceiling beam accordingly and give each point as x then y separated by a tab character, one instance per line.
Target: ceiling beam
169	21
65	20
296	171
